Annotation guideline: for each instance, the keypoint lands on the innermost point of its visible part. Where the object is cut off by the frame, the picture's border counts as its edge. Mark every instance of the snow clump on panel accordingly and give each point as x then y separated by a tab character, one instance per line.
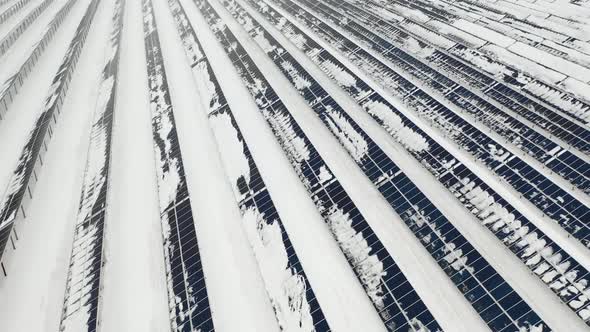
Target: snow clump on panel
356	249
394	126
232	151
339	74
286	289
352	140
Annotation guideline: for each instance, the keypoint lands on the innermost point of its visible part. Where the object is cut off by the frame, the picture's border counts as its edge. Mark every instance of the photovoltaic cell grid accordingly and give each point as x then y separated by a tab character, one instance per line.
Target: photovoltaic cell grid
81	303
10	87
16	31
555	267
31	159
251	193
555	202
561	101
187	292
384	173
565	163
399	312
556	124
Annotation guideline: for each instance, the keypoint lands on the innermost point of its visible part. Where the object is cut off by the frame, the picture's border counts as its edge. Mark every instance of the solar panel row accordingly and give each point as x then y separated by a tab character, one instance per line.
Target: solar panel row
536	144
564	275
284	276
378	167
13	10
81	302
17	30
553	122
10	87
187	293
397	302
552	200
545	94
20	187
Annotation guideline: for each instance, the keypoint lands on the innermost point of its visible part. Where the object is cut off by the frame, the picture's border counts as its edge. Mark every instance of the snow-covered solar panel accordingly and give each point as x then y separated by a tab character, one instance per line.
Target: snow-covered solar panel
82	296
10	87
397	302
555	267
18	30
283	274
23	179
187	292
556	202
534	143
13	10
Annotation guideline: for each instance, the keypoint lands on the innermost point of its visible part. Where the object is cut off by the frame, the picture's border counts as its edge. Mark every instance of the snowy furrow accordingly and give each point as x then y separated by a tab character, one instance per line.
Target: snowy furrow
81	303
533	141
11	86
293	300
568	278
30	162
548	197
349	228
12	10
17	30
187	293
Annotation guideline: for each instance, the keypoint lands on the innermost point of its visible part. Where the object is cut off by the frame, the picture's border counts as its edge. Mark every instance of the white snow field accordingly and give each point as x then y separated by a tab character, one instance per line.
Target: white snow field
294	165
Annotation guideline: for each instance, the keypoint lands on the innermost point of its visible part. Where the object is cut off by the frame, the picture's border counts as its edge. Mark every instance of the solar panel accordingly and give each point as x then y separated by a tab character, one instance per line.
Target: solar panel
82	297
535	249
31	159
187	292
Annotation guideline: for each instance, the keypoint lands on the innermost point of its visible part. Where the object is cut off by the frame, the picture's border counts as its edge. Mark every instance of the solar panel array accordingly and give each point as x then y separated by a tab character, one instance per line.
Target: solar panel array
25	176
554	266
13	10
187	292
551	198
17	30
82	298
285	279
486	100
12	85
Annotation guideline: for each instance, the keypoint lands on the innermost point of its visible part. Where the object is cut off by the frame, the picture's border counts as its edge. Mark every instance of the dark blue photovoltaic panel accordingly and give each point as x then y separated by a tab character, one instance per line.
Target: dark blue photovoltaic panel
84	274
36	143
187	292
253	195
569	277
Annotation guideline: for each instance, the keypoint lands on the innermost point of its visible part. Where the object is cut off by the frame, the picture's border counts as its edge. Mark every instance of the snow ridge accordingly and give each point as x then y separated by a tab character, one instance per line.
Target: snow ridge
81	303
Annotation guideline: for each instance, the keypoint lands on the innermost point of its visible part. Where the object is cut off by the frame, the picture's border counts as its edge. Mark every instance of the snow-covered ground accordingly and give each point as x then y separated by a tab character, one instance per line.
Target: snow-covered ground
310	266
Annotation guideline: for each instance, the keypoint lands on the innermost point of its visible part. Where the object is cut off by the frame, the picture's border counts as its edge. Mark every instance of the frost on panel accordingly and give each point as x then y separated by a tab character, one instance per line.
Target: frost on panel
355	247
286	288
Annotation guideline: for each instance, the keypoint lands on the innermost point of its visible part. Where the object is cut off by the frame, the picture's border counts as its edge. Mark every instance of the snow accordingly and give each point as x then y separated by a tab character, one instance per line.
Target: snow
483	33
394	126
338	73
352	140
286	288
355	247
227	139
